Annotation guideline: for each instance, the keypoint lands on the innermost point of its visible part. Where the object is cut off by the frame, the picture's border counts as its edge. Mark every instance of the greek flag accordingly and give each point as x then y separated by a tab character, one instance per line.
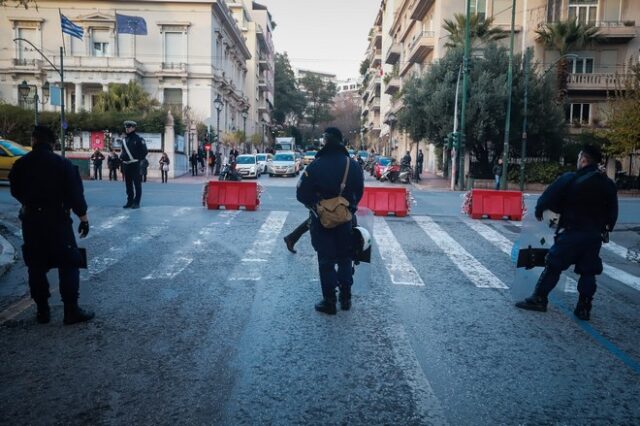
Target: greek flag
70	28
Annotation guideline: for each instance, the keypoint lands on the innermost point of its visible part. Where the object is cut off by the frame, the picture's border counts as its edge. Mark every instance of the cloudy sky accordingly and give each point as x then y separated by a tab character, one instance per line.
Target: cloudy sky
323	35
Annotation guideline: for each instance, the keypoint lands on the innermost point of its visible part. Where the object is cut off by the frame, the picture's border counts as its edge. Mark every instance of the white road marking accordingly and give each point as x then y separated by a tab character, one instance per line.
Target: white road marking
622	276
250	268
400	269
112	222
505	245
169	270
616	249
476	273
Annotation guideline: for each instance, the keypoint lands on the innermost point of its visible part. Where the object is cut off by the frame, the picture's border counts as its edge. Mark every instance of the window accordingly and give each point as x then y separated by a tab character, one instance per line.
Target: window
585	11
26	53
173	99
100	49
100	43
502	11
578	114
554	8
582	66
173	52
479	7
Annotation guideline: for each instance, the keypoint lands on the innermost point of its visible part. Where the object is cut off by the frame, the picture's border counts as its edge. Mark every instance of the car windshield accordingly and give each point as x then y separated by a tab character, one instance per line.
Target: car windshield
363	154
13	149
283	157
310	154
384	161
249	159
262	157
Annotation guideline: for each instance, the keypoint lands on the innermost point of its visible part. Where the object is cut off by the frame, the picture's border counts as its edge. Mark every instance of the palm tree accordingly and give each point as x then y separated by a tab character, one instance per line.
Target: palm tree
566	36
125	98
480	29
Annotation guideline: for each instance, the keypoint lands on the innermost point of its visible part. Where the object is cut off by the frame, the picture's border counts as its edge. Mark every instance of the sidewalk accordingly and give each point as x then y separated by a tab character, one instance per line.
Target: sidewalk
7	255
431	182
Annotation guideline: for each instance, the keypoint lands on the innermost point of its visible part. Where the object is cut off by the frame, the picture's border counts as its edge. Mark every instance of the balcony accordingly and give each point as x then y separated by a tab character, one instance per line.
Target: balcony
375	58
375	104
393	54
263	108
420	46
420	8
377	36
617	31
393	86
27	66
262	85
264	64
99	63
596	82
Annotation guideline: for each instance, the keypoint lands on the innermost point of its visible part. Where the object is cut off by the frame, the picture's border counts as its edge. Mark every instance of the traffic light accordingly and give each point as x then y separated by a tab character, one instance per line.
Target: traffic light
449	140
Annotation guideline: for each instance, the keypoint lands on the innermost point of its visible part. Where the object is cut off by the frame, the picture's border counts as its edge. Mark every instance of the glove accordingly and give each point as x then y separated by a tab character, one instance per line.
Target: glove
539	215
83	229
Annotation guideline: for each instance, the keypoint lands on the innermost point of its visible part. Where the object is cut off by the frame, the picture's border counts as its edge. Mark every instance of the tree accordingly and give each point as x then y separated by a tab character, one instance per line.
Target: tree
346	115
288	99
128	97
566	36
319	100
480	29
429	102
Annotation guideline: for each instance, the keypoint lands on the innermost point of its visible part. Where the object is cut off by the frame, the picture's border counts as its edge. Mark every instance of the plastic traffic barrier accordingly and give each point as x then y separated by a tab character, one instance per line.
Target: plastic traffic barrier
232	195
487	203
385	200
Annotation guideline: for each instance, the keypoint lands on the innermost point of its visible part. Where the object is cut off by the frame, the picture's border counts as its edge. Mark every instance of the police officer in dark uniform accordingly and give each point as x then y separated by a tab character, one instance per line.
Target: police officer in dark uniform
134	150
49	188
321	180
588	205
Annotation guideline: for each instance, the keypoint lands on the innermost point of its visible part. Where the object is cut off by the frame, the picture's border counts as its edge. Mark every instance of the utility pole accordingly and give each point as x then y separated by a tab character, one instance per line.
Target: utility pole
465	84
507	123
523	148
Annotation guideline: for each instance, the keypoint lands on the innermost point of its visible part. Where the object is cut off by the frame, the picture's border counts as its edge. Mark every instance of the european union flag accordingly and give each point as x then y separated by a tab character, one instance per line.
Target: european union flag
131	24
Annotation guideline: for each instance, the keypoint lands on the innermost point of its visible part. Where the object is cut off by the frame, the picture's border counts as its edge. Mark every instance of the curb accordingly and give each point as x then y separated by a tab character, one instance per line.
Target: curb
7	256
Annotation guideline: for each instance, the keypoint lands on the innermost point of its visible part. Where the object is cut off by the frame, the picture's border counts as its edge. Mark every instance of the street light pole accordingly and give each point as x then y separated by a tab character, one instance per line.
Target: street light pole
523	148
465	84
507	123
245	114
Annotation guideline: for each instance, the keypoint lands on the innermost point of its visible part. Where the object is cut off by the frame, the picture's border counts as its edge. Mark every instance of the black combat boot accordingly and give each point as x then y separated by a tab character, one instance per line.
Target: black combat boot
73	314
583	308
290	244
345	297
135	206
534	303
328	303
128	205
43	316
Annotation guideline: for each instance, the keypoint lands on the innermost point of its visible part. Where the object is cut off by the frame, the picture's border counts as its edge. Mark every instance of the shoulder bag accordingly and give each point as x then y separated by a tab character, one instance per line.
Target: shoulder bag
333	212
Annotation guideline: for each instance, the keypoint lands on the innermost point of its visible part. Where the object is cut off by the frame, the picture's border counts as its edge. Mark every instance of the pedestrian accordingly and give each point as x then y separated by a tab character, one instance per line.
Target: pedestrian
406	159
193	160
332	182
211	162
164	167
144	167
587	202
497	173
97	158
201	159
113	163
134	150
49	188
420	163
218	162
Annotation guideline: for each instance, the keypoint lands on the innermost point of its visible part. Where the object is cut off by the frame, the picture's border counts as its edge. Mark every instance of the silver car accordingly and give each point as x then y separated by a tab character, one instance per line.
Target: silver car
284	164
263	161
247	166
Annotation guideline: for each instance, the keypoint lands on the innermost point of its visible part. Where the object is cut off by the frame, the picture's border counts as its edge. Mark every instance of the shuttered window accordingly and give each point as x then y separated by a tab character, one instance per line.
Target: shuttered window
173	52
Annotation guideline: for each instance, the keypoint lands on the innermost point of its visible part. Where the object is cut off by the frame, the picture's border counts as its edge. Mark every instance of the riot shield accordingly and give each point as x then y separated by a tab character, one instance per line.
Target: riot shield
362	265
529	252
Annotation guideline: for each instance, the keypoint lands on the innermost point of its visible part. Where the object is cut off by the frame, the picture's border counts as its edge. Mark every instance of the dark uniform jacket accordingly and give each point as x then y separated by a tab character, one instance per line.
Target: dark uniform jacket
113	161
48	187
137	147
587	200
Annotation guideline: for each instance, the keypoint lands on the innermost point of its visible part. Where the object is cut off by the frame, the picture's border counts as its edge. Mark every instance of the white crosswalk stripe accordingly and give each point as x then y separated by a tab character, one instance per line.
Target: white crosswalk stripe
400	269
468	265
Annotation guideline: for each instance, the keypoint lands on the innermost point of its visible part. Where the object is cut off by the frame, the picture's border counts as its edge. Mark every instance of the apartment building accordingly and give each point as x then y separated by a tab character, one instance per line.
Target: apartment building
193	52
372	86
413	38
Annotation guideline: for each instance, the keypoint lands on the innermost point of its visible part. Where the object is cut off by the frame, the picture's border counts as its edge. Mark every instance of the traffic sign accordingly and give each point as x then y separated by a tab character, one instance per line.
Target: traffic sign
207	147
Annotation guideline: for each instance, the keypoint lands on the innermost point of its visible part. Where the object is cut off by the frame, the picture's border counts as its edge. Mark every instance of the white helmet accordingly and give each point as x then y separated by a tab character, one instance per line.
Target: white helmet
363	237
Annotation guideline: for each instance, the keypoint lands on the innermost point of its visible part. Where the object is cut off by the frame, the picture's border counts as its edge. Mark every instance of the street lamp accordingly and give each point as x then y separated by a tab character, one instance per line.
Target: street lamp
391	121
24	90
219	104
245	114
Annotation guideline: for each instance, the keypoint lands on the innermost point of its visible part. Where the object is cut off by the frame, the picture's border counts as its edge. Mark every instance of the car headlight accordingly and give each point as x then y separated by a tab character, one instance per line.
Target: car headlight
252	169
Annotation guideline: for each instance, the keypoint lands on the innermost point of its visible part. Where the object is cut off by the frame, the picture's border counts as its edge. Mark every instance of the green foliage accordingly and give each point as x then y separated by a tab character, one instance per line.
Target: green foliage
429	103
480	30
288	99
319	99
125	98
539	172
364	66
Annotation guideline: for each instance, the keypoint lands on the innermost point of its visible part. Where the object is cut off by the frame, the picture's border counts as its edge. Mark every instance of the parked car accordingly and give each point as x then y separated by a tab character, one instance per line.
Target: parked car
380	164
364	155
9	154
309	156
352	153
263	161
247	166
300	160
284	164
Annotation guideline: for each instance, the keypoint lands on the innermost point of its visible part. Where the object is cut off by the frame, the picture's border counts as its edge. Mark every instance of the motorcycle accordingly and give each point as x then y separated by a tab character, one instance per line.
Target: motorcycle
229	173
405	173
390	173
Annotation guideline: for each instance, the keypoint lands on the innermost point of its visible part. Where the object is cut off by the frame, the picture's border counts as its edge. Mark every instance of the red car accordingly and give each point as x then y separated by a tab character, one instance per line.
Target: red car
380	164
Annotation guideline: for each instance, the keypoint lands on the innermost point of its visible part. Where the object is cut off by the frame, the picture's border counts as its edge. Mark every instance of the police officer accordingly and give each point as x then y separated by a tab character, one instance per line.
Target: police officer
588	205
322	180
49	187
134	150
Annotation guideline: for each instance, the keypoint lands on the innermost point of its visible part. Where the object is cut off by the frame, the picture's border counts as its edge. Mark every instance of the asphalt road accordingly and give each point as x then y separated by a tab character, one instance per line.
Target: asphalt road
204	317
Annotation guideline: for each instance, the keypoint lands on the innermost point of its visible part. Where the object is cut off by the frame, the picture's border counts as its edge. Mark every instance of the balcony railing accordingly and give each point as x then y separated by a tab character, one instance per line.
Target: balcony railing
622	30
419	9
393	54
393	85
596	81
174	66
23	62
422	39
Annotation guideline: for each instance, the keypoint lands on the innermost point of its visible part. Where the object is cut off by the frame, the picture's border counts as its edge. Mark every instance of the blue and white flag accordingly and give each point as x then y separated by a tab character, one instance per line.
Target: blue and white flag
70	28
131	24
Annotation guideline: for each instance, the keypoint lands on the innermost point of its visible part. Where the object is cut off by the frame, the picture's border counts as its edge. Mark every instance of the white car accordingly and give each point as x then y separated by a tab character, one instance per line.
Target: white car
247	166
263	161
284	164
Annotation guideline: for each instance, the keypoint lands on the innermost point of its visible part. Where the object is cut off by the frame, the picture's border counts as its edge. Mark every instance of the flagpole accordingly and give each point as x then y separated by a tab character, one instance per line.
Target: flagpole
64	49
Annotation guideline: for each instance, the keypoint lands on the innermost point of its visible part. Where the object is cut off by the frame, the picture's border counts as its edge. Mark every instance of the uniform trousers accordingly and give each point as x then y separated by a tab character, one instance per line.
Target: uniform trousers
69	282
334	257
133	180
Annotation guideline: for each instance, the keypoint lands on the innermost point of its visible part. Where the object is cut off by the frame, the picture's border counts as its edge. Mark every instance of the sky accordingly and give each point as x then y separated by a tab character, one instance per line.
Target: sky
323	35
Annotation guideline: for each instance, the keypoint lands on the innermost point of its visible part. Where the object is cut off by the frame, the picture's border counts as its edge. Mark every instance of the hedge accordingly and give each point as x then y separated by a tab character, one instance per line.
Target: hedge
544	173
16	123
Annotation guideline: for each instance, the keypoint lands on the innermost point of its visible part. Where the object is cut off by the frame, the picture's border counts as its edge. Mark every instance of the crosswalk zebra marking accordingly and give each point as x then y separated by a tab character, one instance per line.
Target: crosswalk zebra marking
621	276
505	245
476	272
616	249
252	264
400	269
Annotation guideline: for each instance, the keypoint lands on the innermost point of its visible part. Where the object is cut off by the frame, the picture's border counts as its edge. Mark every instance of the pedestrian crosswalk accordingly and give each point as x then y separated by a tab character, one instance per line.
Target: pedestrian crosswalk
176	238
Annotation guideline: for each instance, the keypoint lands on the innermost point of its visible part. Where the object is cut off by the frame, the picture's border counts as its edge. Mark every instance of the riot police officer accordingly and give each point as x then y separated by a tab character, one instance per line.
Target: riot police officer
134	150
322	180
49	188
588	205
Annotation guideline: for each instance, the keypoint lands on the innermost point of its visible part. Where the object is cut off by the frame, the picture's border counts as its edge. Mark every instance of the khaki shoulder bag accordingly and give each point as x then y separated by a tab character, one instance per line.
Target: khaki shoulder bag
334	211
